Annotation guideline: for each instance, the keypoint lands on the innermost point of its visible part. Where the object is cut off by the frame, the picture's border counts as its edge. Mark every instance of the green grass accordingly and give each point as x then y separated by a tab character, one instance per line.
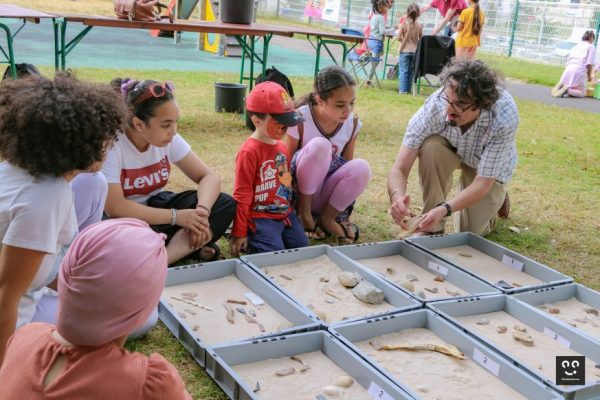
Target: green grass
555	191
521	70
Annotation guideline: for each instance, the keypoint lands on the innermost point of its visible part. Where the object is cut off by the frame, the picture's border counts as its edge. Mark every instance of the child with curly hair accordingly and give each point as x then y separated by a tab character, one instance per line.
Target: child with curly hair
52	132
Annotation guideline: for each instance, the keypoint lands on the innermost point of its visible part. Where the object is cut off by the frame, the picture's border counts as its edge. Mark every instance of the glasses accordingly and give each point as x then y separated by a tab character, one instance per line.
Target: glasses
156	90
457	106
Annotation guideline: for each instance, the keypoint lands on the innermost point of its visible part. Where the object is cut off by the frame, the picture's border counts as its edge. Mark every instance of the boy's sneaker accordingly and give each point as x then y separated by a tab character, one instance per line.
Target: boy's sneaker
559	90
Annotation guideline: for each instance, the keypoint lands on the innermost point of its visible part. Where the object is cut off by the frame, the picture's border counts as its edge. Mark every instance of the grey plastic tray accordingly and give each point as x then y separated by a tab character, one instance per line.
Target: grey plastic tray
225	357
397	298
533	319
302	320
562	293
548	276
429	263
506	372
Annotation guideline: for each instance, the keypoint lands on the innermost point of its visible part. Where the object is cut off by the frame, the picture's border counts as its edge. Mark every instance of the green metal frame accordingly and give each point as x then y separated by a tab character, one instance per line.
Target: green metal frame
247	42
385	60
515	20
10	57
323	43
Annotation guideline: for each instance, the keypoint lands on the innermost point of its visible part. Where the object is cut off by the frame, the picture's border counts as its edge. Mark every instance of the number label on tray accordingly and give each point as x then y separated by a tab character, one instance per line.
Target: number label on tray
555	336
437	268
377	393
512	263
486	362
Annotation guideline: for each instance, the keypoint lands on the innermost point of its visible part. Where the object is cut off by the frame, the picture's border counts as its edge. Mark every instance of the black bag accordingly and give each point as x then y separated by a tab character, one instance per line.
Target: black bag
23	70
272	75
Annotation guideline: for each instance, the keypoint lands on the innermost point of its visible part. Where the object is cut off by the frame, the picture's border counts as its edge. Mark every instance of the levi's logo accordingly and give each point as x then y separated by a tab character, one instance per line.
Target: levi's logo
145	180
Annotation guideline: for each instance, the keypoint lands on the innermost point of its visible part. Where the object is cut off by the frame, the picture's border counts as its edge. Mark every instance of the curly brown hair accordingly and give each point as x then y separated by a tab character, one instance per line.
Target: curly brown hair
475	81
57	126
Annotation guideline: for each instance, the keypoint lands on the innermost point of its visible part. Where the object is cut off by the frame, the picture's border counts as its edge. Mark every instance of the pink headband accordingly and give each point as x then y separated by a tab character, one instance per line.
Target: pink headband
110	281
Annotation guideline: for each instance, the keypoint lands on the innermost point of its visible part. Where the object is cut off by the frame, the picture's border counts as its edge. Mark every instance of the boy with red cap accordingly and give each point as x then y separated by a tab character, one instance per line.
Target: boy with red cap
265	219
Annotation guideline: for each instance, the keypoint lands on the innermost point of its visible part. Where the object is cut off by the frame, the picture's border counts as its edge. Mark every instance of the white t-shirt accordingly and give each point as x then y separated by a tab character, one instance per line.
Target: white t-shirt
312	130
36	214
142	175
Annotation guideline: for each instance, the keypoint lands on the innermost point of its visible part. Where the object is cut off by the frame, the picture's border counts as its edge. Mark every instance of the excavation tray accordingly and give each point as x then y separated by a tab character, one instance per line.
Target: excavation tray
507	258
224	358
302	320
399	299
481	354
422	260
564	335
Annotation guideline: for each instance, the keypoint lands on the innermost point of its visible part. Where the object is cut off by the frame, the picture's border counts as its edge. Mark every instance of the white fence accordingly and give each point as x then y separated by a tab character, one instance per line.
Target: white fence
540	31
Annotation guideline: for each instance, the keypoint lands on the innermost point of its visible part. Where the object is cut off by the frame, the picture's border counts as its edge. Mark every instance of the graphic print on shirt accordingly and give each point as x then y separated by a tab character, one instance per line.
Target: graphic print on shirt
274	192
145	180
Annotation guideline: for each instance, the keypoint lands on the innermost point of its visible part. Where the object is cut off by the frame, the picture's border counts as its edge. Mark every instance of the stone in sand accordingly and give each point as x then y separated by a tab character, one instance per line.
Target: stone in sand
501	329
591	310
344	381
331	391
523	338
519	328
411	277
553	310
368	293
407	285
483	321
432	290
439	279
285	371
390	270
349	279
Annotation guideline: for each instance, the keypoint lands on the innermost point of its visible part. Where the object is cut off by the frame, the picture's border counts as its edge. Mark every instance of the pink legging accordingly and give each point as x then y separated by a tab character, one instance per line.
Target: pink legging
341	188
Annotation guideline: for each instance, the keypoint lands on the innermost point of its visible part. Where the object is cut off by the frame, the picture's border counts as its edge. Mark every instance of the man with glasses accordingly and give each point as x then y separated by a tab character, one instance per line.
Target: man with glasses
468	124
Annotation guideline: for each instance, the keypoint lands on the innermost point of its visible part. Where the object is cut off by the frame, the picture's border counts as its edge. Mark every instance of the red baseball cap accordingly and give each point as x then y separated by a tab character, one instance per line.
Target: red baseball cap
271	98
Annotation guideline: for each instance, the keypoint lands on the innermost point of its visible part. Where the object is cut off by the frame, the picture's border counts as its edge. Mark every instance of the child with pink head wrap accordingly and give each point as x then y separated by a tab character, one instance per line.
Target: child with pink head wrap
110	282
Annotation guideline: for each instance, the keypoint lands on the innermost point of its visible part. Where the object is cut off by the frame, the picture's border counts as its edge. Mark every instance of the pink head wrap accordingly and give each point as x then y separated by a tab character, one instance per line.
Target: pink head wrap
110	281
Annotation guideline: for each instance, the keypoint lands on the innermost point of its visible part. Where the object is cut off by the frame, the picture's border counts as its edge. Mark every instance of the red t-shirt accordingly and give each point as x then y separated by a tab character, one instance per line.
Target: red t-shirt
444	5
263	184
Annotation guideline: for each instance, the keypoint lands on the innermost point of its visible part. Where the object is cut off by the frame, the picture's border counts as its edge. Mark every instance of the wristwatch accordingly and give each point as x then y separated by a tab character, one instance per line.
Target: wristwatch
448	208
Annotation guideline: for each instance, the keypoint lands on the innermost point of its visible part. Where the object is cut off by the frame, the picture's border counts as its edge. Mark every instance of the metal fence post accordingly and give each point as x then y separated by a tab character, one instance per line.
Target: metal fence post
514	28
277	13
348	14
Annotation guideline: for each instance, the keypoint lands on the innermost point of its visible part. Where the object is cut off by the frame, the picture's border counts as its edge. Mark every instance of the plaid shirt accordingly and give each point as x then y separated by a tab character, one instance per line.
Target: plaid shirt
488	145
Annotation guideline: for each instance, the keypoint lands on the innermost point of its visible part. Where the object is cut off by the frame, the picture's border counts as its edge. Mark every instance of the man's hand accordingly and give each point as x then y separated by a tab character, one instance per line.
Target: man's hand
238	244
400	210
431	218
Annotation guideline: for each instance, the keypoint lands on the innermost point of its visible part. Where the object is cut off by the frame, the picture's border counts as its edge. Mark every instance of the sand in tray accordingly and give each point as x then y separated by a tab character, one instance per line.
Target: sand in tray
572	311
485	266
434	375
395	268
308	280
541	357
322	372
212	327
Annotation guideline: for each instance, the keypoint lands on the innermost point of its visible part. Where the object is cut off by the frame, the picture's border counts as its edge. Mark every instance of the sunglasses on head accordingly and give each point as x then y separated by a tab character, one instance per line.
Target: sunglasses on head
155	90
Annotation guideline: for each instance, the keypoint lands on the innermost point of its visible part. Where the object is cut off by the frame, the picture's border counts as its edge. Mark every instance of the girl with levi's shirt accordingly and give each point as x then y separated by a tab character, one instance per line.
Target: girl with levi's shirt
138	167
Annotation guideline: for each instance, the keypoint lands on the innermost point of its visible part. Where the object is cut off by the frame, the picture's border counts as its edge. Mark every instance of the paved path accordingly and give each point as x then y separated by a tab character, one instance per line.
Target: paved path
541	93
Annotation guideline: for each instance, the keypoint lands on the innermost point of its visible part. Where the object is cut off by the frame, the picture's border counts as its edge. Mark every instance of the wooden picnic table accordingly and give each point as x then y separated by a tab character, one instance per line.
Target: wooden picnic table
13	11
246	35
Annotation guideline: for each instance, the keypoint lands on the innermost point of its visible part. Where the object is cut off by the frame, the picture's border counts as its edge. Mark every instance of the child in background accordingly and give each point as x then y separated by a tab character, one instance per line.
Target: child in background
377	32
109	282
328	178
265	219
409	35
470	26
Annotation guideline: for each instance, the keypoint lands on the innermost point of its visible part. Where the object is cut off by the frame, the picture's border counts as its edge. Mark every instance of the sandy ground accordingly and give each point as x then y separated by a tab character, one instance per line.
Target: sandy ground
433	375
573	312
212	327
485	266
396	268
321	374
308	280
540	357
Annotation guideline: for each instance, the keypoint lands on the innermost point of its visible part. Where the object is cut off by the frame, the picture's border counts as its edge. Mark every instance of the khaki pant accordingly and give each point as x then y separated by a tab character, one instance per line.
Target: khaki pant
437	162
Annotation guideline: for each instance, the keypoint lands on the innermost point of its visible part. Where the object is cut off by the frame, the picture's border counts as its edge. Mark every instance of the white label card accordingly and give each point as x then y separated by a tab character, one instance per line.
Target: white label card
255	299
555	336
486	362
377	393
437	268
512	263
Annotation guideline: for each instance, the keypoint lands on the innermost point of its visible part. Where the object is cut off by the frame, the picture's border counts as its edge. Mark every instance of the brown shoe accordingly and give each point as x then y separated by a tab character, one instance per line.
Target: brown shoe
505	208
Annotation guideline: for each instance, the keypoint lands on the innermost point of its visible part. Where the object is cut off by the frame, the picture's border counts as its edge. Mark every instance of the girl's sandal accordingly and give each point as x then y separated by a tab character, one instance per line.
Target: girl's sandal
315	233
351	231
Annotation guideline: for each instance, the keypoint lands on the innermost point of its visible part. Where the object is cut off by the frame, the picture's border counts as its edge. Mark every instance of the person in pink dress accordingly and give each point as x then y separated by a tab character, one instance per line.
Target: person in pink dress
579	70
110	281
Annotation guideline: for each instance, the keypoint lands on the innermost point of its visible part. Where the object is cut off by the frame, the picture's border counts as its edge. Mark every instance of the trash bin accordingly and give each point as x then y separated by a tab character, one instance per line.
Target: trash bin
229	97
597	90
237	11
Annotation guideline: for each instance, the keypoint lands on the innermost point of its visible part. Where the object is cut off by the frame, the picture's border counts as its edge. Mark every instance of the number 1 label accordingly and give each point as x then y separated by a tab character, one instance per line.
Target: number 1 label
512	263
